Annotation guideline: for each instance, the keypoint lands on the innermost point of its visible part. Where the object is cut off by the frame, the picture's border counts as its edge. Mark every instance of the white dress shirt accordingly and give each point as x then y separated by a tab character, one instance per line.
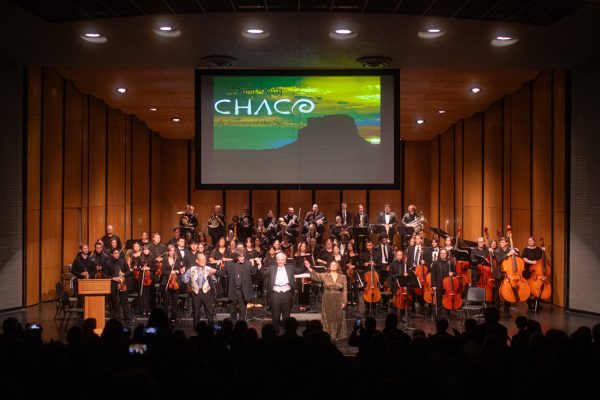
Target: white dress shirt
282	282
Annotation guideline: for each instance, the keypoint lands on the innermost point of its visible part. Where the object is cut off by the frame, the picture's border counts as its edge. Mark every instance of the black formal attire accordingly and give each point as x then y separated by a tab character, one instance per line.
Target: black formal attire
282	293
189	258
106	240
476	251
102	260
346	217
365	270
393	221
157	249
407	219
239	282
218	232
293	229
386	253
500	255
148	301
118	297
353	284
271	233
245	227
397	268
202	293
532	255
78	267
170	296
360	232
310	218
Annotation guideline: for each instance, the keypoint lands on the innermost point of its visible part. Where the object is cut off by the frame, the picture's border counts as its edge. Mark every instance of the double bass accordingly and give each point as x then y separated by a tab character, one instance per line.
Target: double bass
514	287
372	293
539	282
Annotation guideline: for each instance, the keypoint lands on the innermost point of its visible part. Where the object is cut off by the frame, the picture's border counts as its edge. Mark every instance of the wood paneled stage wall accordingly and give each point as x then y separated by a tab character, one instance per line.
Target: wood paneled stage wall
89	165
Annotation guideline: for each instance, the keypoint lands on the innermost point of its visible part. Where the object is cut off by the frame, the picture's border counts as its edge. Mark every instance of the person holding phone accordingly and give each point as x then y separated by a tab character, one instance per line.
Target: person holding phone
335	298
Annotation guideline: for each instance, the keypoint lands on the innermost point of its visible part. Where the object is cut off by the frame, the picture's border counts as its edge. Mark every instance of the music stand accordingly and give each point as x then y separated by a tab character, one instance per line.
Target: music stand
461	255
360	233
477	259
405	233
410	281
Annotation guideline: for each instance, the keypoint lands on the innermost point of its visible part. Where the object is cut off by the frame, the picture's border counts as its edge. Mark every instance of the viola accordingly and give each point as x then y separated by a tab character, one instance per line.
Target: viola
539	282
372	293
513	288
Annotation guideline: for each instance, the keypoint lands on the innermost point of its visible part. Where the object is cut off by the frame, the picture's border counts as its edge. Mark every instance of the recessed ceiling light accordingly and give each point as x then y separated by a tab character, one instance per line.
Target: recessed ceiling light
153	109
420	121
175	119
167	31
504	40
475	90
441	111
431	33
255	33
342	33
93	37
122	90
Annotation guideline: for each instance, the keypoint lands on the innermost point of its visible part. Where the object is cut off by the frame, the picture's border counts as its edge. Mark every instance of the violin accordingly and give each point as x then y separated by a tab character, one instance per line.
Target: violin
372	293
122	284
513	288
173	282
451	299
147	280
538	283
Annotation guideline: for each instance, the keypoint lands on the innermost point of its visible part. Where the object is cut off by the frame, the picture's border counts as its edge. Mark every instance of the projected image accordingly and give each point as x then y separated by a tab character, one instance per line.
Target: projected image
296	129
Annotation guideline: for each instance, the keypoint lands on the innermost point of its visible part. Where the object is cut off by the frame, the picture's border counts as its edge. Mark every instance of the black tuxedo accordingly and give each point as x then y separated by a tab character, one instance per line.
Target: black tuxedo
393	223
365	219
390	252
396	268
281	302
366	256
189	259
426	256
239	283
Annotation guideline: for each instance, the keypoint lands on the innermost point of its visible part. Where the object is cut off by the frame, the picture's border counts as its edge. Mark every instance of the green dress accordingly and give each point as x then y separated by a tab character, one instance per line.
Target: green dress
334	295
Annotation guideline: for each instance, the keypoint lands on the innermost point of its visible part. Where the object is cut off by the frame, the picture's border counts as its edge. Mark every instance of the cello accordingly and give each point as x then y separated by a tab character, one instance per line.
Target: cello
539	283
421	271
402	297
514	287
486	280
372	293
451	299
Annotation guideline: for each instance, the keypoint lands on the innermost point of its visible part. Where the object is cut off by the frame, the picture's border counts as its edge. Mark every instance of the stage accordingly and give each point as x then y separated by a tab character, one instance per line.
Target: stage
549	317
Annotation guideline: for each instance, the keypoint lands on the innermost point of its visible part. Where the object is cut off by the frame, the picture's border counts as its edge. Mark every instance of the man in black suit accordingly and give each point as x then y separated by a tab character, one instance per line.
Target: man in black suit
386	252
282	285
239	273
369	258
315	217
387	218
345	215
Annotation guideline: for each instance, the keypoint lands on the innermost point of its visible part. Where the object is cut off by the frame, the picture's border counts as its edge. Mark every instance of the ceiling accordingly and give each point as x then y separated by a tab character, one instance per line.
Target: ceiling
435	74
537	12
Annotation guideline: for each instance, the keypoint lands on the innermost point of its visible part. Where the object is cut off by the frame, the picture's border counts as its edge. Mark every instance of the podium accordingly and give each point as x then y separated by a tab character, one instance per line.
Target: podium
94	291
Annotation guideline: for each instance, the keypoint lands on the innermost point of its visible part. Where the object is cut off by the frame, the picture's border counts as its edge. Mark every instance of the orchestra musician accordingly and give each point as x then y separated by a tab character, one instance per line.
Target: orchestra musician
199	276
317	218
172	268
233	229
345	215
352	263
441	268
148	291
397	267
407	218
271	225
239	273
157	248
100	260
108	236
369	257
176	236
482	251
282	285
335	231
246	225
361	221
387	222
192	219
83	267
216	225
501	254
386	251
119	272
531	255
291	220
144	239
326	253
313	234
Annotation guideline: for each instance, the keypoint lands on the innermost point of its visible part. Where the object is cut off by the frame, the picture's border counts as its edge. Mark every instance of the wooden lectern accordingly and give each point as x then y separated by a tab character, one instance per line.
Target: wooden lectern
93	291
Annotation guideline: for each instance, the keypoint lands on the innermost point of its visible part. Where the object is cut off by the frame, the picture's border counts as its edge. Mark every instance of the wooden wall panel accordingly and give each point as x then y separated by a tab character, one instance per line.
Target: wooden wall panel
156	192
97	169
506	165
458	175
473	177
262	202
492	168
34	151
127	233
417	183
174	184
520	166
71	234
140	182
447	181
204	200
297	199
541	194
85	166
52	181
353	198
116	172
329	204
434	189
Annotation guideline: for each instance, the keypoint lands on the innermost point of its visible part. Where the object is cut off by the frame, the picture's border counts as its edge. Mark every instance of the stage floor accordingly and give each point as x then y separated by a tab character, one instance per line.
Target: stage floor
549	317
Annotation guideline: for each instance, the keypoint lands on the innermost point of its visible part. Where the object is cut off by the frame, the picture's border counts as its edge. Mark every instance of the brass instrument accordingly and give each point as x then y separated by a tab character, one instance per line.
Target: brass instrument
215	222
362	220
417	223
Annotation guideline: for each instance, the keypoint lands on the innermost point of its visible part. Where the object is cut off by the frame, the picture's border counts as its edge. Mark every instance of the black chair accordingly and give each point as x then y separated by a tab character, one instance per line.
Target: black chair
68	309
475	302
